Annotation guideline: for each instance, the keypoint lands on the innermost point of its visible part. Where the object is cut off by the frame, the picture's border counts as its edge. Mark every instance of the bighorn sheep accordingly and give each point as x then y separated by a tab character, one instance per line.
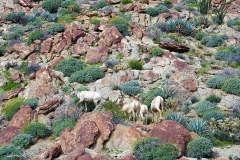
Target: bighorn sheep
143	112
157	102
130	108
89	96
55	74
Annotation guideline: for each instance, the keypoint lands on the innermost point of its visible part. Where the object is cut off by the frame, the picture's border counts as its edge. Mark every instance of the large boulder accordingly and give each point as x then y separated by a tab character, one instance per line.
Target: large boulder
21	49
173	46
7	134
52	152
11	94
97	54
49	105
15	76
112	35
22	117
80	48
46	46
173	132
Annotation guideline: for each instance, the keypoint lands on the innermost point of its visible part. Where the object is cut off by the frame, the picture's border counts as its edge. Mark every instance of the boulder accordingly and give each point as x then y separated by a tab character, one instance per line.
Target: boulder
11	94
91	39
49	106
97	54
80	48
46	46
34	59
15	76
61	46
22	117
25	3
7	134
68	37
173	46
100	157
76	34
21	49
85	157
112	35
51	153
171	131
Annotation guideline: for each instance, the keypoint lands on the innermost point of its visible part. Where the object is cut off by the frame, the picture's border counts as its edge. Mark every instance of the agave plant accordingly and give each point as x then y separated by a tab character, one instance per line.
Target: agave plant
172	26
177	117
198	126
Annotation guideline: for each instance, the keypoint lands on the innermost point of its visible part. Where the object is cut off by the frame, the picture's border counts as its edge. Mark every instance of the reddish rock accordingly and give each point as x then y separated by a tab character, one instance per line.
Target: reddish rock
123	137
91	39
72	111
77	26
149	76
11	94
51	153
103	121
171	131
42	76
33	59
46	46
67	141
100	157
85	157
97	54
7	134
173	46
15	76
80	48
49	106
61	46
112	35
57	38
137	32
25	3
53	63
237	2
21	49
75	154
22	117
77	34
68	37
126	157
32	76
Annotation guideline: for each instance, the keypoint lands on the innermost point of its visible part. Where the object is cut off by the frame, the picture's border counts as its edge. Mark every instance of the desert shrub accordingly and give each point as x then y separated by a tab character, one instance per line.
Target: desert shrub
154	11
171	103
55	28
87	75
34	35
14	41
10	152
213	99
131	87
202	107
118	114
71	5
100	4
213	114
156	51
111	62
232	86
36	129
213	41
22	140
234	23
69	66
186	28
177	117
135	64
199	148
122	25
216	81
33	68
14	34
204	6
17	17
199	35
186	108
198	126
11	107
126	1
223	55
10	85
2	50
51	5
32	102
148	97
60	124
178	8
65	18
194	99
150	149
95	20
229	72
201	22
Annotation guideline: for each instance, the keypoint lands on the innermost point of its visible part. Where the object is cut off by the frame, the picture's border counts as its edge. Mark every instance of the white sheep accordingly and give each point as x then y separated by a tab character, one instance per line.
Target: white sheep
55	74
130	108
89	96
157	106
143	112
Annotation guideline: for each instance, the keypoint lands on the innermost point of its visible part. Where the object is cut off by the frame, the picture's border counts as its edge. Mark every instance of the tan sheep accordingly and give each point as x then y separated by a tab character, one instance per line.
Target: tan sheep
157	106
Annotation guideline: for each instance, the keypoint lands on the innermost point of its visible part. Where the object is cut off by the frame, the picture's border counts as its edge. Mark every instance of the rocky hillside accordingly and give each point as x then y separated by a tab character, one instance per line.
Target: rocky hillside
185	51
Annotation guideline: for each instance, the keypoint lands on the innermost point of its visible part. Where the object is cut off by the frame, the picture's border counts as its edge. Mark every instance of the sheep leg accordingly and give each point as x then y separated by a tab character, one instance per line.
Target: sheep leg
152	117
85	106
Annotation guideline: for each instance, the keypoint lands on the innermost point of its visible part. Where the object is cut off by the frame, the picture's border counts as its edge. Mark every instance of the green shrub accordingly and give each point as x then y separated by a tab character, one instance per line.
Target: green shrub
156	51
126	1
177	117
15	34
95	20
199	35
121	23
51	5
10	85
60	124
213	99
152	11
34	35
199	148
131	87
69	66
118	114
168	1
71	5
148	97
11	107
217	115
10	152
55	28
87	75
22	140
36	129
232	86
178	8
150	149
32	102
204	6
216	81
202	107
135	64
213	41
17	17
99	5
198	126
2	50
234	23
